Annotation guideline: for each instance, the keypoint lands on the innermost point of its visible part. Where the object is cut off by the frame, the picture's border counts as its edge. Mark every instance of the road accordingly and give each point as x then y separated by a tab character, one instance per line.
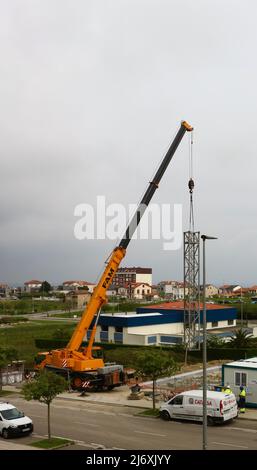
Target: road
94	426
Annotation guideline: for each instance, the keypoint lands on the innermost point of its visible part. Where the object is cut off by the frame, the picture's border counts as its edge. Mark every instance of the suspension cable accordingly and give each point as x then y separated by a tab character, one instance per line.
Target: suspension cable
191	183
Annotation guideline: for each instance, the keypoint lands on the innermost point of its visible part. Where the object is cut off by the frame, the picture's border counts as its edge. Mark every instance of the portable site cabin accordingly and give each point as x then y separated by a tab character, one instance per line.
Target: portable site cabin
242	373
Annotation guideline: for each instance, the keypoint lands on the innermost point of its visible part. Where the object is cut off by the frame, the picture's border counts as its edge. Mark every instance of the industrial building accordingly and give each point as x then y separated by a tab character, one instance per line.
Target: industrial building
242	373
161	324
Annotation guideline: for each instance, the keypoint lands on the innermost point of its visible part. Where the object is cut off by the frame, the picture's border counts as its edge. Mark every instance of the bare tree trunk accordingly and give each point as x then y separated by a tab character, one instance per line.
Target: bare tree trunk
186	351
48	420
153	394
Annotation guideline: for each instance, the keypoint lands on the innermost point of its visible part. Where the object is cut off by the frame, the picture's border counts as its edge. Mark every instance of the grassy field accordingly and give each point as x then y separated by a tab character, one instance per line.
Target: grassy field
19	307
21	337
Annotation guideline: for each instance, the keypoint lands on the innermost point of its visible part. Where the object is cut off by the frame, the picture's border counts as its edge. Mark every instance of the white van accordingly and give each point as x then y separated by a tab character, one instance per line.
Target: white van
221	407
13	422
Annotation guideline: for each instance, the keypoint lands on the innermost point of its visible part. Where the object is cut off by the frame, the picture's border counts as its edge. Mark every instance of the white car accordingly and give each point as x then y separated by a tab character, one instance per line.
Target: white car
188	405
13	422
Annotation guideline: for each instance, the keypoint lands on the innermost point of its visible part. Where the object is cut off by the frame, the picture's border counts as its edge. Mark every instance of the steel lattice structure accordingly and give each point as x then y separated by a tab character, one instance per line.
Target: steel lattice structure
192	289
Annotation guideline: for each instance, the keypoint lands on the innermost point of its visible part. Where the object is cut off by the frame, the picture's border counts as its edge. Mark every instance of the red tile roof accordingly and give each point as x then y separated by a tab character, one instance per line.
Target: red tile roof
33	281
80	283
179	305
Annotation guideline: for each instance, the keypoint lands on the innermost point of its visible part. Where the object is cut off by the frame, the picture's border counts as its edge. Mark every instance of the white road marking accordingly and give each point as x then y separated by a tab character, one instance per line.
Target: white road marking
87	424
229	445
243	429
97	446
151	433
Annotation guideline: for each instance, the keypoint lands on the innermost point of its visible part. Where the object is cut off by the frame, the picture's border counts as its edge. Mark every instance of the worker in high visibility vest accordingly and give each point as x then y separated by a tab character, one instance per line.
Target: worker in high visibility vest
241	401
227	389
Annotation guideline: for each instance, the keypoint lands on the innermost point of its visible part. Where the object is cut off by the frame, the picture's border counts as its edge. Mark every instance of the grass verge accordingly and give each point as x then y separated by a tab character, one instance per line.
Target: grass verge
52	443
5	393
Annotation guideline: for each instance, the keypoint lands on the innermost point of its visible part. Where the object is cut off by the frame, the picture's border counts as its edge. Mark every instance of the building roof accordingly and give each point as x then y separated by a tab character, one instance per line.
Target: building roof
137	284
179	305
250	363
78	292
134	269
79	283
33	281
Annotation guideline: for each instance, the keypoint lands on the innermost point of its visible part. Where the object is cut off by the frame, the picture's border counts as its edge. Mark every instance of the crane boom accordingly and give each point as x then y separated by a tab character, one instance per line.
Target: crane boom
77	361
99	295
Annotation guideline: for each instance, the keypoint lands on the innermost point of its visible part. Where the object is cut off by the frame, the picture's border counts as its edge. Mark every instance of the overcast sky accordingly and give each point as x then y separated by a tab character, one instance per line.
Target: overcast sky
92	93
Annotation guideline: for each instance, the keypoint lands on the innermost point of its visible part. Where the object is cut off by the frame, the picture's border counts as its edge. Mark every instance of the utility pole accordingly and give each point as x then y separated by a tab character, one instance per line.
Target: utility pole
205	237
241	308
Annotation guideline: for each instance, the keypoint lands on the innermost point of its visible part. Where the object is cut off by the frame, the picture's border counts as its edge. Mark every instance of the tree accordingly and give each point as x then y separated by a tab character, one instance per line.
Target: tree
6	356
241	339
214	341
45	287
44	388
155	363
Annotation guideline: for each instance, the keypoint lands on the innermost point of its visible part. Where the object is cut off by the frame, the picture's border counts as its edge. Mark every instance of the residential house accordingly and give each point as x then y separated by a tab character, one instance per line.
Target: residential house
229	290
139	290
172	289
32	286
210	290
77	285
4	290
78	298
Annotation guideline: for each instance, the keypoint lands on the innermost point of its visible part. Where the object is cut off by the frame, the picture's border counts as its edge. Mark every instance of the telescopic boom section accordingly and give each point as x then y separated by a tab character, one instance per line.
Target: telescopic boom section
99	296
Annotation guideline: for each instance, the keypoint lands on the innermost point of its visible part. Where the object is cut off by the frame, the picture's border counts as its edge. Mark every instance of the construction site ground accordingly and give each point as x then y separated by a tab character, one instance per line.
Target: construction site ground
189	377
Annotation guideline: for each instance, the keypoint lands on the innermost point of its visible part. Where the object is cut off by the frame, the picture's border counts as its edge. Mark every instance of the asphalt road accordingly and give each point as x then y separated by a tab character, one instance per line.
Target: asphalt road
94	426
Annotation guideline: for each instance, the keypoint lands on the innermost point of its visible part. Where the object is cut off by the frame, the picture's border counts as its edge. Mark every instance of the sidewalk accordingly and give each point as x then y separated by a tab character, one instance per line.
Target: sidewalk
118	397
5	445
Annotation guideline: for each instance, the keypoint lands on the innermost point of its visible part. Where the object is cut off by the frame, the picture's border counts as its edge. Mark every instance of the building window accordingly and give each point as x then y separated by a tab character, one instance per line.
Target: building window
240	379
214	324
118	329
104	328
138	291
143	291
230	322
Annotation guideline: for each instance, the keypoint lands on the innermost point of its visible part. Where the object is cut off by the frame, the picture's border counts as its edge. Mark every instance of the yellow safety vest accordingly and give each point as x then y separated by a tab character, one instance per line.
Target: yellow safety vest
242	394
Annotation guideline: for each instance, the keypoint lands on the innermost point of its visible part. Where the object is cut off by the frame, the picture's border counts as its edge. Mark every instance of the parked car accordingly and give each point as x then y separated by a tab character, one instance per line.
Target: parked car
188	405
13	422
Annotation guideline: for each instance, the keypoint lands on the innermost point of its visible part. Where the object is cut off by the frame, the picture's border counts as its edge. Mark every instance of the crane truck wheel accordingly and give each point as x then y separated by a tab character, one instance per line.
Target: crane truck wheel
165	415
76	382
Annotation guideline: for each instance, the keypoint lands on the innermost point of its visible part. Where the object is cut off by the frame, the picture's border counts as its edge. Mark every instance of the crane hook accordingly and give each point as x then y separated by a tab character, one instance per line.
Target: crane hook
191	185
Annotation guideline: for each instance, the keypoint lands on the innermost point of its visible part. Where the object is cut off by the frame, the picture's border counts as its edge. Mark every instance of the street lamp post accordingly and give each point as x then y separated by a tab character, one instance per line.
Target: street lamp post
205	237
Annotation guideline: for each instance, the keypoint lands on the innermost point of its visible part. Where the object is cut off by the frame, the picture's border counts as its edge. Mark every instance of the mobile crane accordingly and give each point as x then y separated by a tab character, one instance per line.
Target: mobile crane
74	361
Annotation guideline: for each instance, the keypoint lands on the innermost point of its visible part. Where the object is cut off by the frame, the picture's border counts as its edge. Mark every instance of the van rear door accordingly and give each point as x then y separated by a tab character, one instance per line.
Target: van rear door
228	407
